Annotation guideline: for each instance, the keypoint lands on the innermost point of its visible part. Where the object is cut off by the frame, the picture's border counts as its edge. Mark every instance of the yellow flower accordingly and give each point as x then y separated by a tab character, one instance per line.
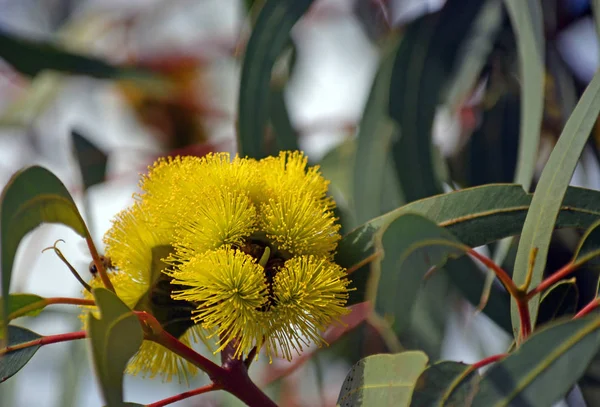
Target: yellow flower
230	290
135	249
300	225
247	245
309	293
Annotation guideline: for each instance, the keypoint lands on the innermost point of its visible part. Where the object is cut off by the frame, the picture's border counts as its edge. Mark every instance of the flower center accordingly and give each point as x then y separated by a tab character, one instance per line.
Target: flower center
256	249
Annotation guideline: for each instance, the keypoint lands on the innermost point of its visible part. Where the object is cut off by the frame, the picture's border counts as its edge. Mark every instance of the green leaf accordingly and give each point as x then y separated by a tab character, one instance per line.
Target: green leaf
92	161
475	216
285	135
527	21
32	196
30	57
12	362
382	380
550	191
424	63
114	338
269	37
411	245
596	10
544	368
436	385
19	301
373	142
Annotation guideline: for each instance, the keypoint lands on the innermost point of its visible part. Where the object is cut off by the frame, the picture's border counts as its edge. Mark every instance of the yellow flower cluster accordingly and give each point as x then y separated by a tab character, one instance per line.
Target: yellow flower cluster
240	250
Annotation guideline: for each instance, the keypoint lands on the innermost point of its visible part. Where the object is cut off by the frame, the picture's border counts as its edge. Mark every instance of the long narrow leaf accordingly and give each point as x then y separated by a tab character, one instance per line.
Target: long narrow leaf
550	191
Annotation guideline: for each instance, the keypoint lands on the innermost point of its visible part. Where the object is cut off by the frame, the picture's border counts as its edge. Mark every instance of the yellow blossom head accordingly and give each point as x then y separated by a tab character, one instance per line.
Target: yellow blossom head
247	248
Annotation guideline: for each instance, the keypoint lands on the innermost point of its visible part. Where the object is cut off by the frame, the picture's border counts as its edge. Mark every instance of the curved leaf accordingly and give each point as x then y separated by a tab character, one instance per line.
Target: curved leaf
269	37
12	362
382	380
589	245
527	21
32	196
544	368
411	245
550	191
19	301
374	138
114	338
437	383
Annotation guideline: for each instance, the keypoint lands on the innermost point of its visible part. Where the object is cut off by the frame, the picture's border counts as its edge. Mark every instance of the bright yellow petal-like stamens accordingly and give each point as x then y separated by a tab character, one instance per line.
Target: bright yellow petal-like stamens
230	289
310	292
290	172
299	225
218	217
130	241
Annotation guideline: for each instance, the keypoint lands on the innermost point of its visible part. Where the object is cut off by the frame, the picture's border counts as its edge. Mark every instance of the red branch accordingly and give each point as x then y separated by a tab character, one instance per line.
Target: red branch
588	308
553	279
45	340
487	361
185	395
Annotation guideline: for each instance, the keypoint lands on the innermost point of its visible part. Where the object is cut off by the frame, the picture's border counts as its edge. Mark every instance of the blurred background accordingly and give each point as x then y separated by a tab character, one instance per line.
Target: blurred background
97	135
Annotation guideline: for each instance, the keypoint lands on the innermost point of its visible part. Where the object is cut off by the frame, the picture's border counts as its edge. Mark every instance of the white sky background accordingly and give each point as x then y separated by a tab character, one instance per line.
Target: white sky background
336	63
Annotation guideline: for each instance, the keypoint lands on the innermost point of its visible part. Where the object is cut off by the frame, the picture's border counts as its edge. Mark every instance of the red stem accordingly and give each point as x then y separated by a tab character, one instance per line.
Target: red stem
487	361
185	395
554	278
231	377
500	273
525	318
45	340
592	305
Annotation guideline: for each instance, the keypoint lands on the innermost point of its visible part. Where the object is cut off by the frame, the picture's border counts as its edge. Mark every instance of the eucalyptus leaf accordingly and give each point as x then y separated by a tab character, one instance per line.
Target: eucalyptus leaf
423	66
410	246
32	196
544	368
19	301
550	194
14	361
382	380
114	339
270	35
437	384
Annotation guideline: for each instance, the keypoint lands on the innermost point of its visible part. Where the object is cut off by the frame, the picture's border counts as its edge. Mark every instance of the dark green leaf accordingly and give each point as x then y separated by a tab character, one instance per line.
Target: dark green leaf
550	191
285	135
426	59
32	196
114	338
31	57
12	362
269	37
527	21
373	142
544	368
382	380
92	161
411	245
437	383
